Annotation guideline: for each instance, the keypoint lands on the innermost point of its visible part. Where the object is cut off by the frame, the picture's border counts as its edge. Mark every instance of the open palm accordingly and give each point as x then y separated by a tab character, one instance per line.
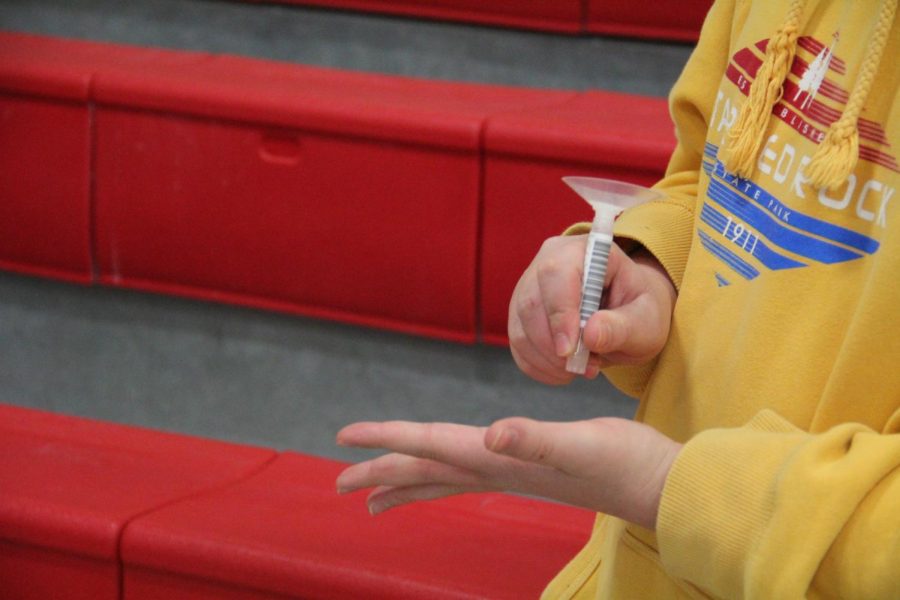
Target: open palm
609	465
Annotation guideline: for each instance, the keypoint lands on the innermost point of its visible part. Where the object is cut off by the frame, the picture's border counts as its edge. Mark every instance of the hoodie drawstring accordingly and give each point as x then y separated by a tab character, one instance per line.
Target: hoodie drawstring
838	153
746	135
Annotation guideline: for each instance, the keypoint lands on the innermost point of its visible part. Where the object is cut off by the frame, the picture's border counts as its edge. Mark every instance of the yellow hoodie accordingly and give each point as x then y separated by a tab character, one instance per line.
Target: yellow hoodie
782	370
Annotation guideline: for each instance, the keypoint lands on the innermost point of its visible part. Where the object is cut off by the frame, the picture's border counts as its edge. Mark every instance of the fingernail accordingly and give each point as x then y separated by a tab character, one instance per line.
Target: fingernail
377	507
592	372
563	345
497	440
503	440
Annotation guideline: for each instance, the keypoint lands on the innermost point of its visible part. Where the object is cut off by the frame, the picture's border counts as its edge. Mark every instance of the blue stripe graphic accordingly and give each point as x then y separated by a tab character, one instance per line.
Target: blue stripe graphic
798	220
721	280
773	230
711	150
708	167
747	241
742	268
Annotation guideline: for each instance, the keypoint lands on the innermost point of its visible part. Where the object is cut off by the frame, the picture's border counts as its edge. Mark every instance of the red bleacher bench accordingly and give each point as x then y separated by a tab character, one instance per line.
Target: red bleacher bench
69	487
332	194
285	531
383	201
678	20
97	510
562	16
47	141
45	146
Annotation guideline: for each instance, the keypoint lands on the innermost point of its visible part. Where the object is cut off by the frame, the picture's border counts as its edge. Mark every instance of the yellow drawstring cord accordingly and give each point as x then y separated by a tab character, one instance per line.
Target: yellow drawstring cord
837	154
746	135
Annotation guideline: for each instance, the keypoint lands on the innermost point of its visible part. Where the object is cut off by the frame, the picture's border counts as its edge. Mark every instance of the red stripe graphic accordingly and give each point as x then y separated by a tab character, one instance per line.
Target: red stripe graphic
814	46
738	79
825	115
780	110
821	113
879	158
831	90
748	61
874	131
796	121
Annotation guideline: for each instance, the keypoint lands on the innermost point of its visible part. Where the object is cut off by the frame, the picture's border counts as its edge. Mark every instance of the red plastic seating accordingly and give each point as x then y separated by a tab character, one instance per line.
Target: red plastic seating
285	532
45	158
96	510
677	20
383	201
46	149
332	194
69	487
564	16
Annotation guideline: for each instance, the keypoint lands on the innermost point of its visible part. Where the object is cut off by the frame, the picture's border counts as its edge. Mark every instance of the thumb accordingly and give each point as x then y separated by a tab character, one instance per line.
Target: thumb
564	446
637	330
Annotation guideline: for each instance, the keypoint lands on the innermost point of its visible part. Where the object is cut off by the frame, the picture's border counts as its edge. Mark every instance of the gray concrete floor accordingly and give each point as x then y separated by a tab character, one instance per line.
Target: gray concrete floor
270	379
251	376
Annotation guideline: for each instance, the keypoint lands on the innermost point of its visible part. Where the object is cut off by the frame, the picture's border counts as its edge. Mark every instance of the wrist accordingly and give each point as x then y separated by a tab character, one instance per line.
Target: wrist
658	484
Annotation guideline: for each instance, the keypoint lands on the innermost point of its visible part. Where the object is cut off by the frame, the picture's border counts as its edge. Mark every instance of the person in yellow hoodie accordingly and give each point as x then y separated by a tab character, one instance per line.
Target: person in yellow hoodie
752	310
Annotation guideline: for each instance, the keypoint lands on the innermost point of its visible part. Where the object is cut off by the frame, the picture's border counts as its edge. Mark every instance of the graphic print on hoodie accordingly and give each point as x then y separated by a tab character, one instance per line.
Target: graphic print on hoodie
750	227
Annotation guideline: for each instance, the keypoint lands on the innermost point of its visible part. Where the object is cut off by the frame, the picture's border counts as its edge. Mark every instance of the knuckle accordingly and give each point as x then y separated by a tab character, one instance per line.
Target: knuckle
526	305
540	450
548	268
550	244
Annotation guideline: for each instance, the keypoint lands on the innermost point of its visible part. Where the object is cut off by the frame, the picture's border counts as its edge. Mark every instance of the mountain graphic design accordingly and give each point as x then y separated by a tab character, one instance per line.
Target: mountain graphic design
814	76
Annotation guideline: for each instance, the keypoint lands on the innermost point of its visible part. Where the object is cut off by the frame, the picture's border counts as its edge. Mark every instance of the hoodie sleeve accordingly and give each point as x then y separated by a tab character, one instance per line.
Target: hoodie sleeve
666	227
771	511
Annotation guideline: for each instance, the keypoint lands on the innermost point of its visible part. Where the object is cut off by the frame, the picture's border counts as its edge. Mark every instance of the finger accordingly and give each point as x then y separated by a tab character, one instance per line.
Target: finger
448	443
559	278
529	333
634	330
386	498
402	470
548	370
568	447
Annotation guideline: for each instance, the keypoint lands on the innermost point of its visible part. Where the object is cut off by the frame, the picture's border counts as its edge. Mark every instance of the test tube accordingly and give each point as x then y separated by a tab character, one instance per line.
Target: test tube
608	198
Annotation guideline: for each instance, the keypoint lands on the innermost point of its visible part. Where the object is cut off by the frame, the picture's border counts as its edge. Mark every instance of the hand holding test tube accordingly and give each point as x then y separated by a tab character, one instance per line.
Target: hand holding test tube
608	198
